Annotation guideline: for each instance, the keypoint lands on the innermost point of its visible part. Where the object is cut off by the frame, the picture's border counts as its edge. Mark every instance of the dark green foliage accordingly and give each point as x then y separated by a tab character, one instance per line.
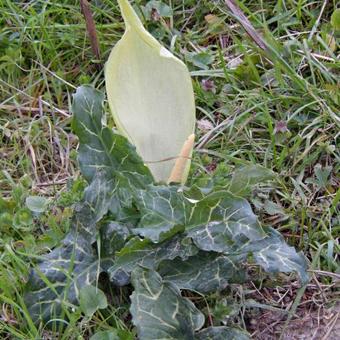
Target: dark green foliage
158	309
222	333
175	240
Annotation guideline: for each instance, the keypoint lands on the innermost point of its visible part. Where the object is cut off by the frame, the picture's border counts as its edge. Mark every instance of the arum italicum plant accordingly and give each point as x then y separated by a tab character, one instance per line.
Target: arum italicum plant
151	97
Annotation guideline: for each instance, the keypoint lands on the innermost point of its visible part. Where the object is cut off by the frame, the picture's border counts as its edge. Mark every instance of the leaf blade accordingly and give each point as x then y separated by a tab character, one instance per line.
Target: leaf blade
203	273
244	178
178	320
138	252
101	148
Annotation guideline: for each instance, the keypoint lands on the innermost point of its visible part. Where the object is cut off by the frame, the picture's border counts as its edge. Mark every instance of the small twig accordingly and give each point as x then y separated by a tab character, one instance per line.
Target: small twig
48	184
41	111
320	288
190	16
210	134
330	326
55	75
292	308
62	112
167	159
91	29
33	157
239	15
25	108
325	273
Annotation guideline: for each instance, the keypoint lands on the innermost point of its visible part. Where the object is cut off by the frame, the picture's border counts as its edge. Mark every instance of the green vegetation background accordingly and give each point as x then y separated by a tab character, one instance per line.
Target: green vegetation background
277	108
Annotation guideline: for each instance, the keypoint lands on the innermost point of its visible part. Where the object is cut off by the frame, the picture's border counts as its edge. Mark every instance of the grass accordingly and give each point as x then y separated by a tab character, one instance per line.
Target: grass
278	108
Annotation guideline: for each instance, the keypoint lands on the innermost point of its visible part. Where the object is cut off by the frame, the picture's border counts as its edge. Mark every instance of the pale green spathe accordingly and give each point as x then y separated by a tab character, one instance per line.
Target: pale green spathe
150	95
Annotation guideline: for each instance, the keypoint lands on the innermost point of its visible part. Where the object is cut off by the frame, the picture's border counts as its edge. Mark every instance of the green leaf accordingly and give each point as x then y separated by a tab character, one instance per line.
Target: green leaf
335	20
222	333
204	272
273	208
109	164
241	234
221	220
22	219
36	204
96	202
246	177
162	9
100	148
91	299
54	284
162	208
105	335
151	97
274	255
159	311
201	59
232	228
143	252
166	209
104	152
322	175
116	334
113	238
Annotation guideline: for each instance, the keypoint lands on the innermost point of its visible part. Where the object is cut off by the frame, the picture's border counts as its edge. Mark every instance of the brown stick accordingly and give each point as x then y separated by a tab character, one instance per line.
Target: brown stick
90	27
239	15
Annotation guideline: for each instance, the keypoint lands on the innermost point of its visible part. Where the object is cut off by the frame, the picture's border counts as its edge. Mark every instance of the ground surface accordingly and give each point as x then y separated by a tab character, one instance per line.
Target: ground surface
275	105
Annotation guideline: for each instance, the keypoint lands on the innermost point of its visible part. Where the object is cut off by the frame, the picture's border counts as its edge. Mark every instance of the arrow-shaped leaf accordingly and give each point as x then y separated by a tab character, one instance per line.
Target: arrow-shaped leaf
205	272
244	178
158	309
274	255
102	150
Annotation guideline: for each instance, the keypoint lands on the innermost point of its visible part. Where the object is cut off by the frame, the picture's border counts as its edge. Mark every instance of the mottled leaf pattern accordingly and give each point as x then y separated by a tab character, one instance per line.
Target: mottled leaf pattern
221	221
95	205
110	164
55	283
233	211
100	148
162	208
61	273
274	255
244	178
160	238
158	309
204	272
145	253
270	252
222	333
113	238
